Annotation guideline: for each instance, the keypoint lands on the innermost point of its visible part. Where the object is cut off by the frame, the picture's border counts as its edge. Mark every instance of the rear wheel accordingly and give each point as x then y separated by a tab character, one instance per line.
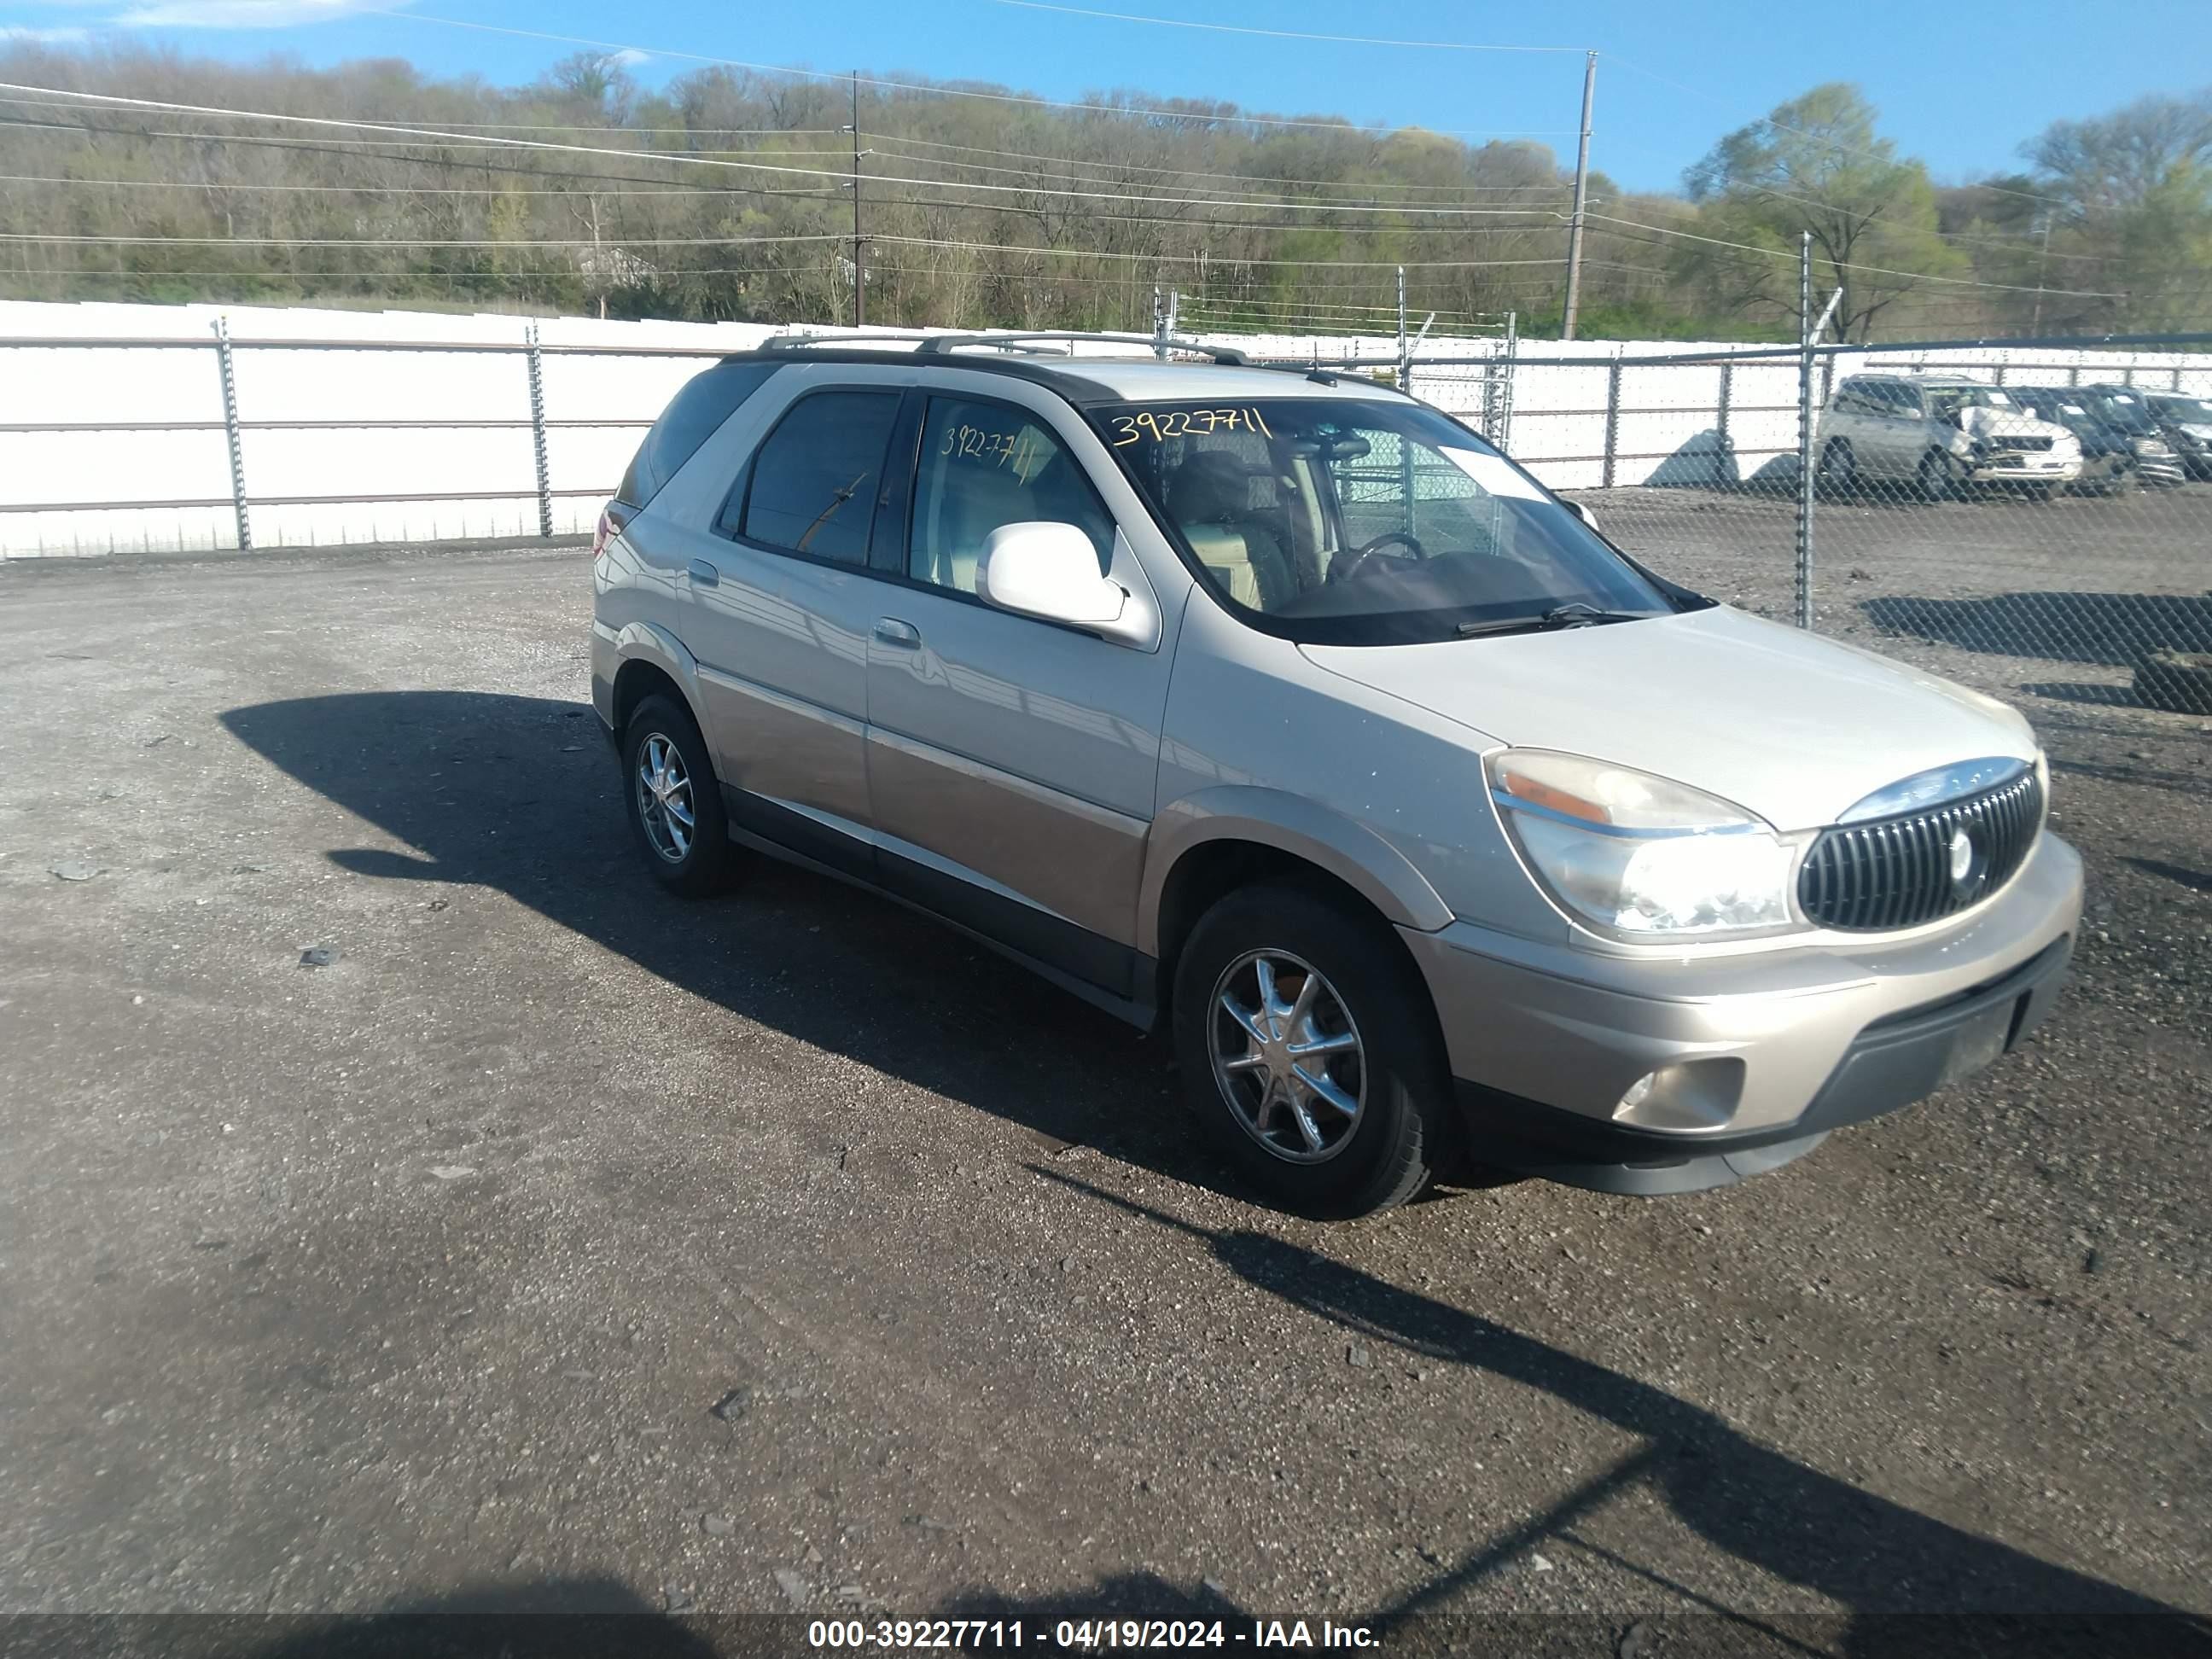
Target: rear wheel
1309	1053
675	803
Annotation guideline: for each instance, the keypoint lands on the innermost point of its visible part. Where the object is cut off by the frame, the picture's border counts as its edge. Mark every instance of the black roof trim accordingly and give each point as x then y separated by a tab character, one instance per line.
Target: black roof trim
1076	388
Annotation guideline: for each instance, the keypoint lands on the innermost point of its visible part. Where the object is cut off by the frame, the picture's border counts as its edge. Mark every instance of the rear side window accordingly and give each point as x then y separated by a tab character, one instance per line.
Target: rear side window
814	481
692	416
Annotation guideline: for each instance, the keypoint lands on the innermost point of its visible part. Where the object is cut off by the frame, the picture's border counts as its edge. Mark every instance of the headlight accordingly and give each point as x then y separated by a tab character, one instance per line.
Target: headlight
1639	856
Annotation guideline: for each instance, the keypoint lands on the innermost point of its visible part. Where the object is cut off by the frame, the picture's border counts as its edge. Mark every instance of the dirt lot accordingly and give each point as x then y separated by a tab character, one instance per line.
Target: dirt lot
2054	600
562	1245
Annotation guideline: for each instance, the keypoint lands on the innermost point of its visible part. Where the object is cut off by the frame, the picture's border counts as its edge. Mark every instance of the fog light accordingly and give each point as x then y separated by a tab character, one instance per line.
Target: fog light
1689	1095
1637	1091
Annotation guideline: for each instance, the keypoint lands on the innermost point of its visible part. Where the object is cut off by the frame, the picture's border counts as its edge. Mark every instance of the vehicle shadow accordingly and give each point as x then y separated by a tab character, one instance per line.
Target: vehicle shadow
578	1618
1863	1553
520	795
2115	629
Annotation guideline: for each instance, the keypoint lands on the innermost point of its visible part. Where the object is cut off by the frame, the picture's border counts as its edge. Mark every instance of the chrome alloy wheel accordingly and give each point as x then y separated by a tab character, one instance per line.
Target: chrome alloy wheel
664	798
1286	1056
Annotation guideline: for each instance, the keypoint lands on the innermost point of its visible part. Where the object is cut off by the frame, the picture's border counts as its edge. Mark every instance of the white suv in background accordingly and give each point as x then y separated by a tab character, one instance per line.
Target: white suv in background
1941	434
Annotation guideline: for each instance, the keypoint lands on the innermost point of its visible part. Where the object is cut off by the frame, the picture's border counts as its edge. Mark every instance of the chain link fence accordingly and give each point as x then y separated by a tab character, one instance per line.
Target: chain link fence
2020	515
2027	516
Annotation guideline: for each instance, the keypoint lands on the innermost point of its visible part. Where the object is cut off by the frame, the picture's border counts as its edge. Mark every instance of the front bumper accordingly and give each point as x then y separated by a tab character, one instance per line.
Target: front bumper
2026	470
1779	1046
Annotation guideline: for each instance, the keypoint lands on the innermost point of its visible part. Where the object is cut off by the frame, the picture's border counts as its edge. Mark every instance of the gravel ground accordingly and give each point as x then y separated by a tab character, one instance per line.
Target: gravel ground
561	1244
2051	602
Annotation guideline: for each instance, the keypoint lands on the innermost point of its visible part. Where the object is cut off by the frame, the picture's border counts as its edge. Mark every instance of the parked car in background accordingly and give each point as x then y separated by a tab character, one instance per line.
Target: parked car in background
2187	423
2121	445
1941	433
1284	712
2126	410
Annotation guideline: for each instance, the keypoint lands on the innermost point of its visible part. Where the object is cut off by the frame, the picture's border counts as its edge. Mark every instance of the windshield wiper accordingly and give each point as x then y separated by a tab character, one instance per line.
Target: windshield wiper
1574	615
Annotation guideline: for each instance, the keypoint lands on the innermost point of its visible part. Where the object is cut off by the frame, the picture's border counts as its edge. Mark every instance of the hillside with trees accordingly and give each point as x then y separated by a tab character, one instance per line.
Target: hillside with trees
730	195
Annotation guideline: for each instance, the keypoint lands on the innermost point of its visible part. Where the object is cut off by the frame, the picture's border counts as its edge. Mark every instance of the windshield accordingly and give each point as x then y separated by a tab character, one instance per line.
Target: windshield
2192	411
1352	521
2064	408
1945	402
2122	411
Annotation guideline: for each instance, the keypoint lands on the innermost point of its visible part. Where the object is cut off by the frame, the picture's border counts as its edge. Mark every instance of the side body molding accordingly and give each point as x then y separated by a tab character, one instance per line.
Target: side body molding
1289	823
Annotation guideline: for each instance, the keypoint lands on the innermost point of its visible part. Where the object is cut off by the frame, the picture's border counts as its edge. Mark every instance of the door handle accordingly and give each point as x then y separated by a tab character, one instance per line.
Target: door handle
704	574
904	635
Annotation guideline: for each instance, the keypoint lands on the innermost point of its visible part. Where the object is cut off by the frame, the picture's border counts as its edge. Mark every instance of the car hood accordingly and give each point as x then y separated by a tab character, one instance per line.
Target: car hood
1981	422
1794	727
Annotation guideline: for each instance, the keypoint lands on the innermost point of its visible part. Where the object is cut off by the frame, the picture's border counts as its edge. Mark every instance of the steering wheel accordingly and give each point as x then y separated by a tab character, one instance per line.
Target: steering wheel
1345	569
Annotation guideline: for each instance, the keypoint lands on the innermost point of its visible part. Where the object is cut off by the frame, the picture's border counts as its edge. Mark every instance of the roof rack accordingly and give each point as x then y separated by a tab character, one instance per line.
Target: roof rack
937	345
797	342
1027	343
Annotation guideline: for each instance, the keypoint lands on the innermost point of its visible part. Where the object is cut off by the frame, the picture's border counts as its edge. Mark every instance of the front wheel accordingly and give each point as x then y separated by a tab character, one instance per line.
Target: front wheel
1837	472
675	803
1940	478
1309	1053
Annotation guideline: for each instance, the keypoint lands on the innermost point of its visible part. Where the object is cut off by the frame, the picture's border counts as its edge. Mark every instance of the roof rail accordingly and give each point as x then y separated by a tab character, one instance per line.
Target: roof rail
936	345
799	341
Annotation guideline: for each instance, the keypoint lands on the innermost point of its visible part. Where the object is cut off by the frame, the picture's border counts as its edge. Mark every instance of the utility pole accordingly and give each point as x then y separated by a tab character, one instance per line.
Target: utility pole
1807	466
860	260
2042	266
1405	357
1582	195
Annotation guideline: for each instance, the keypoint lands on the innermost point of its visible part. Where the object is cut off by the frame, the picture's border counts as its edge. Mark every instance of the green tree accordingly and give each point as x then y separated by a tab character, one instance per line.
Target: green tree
2128	196
1815	166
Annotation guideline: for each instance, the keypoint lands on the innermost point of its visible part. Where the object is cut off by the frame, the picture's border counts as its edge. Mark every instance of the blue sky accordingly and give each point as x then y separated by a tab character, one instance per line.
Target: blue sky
1959	85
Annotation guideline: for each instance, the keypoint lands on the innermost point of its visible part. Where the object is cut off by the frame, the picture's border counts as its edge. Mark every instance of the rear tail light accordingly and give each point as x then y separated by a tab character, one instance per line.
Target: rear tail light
612	518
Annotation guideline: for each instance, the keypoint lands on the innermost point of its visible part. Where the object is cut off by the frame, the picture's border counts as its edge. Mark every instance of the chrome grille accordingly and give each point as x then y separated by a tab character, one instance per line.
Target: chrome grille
2021	444
1897	871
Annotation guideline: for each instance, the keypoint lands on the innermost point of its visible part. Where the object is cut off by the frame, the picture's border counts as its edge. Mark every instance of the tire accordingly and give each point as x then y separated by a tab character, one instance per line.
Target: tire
1395	1072
2125	482
1836	472
662	738
1939	477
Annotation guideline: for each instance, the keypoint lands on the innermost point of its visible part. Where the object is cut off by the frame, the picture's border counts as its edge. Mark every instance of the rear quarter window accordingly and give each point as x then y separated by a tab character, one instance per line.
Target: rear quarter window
693	416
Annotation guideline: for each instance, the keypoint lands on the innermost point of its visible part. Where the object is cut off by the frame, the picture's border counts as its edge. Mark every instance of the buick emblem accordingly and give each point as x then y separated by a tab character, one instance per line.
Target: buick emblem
1962	858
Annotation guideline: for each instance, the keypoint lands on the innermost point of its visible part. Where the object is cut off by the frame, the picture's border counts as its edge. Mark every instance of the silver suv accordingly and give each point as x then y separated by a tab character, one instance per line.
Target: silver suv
1940	434
1282	708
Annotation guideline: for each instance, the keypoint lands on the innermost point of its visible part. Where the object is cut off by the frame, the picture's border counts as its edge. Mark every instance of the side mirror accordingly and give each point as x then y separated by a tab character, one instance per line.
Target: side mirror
1050	570
1583	513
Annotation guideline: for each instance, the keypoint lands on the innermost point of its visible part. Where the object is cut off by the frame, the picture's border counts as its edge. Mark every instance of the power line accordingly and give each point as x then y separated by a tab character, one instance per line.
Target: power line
368	190
1212	259
407	131
1877	270
351	146
1374	189
1275	34
73	238
923	89
1178	222
332	147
